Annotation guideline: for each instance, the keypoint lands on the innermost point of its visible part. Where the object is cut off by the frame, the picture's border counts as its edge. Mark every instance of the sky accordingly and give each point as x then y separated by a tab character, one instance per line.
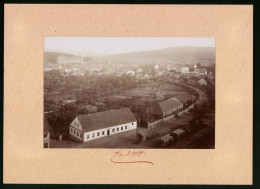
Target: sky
116	45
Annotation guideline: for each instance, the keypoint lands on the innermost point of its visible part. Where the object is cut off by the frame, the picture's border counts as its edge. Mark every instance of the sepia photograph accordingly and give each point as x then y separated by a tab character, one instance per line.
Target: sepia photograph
129	92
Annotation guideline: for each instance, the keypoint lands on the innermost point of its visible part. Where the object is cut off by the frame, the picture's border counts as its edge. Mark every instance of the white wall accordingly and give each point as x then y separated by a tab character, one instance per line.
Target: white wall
75	123
76	129
130	126
76	133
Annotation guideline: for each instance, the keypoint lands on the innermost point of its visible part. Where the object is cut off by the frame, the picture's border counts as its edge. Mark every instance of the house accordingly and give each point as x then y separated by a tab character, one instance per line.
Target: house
89	108
96	125
178	132
156	67
139	70
200	71
202	82
178	69
78	73
185	98
166	107
68	70
185	70
130	72
46	133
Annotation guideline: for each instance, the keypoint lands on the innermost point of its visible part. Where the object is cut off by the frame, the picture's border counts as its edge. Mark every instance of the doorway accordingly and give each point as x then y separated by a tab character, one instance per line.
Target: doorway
108	132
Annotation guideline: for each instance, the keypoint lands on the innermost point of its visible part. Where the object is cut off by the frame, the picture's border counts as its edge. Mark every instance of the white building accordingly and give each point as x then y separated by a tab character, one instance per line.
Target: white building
139	70
92	126
130	72
185	70
156	67
202	82
78	73
67	70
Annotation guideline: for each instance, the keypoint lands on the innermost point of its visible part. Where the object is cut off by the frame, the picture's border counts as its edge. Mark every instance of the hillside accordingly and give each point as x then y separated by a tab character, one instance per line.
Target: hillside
52	56
176	55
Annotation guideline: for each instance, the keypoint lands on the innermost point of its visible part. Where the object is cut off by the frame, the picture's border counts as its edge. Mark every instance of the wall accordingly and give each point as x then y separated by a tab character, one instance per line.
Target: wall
75	133
75	130
91	137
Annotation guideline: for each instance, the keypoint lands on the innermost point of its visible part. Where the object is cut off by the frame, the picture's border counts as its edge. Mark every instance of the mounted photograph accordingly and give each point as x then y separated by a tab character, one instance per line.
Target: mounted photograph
129	92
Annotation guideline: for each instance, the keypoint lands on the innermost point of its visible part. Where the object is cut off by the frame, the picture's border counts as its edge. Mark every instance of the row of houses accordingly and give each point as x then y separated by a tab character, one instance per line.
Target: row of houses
97	125
101	124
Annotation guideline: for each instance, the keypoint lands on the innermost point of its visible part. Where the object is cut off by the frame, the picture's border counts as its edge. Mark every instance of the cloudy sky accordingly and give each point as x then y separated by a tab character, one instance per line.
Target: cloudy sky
114	45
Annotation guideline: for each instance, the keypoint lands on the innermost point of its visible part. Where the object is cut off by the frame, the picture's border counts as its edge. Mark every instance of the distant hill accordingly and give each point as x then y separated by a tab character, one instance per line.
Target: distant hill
52	56
79	53
176	55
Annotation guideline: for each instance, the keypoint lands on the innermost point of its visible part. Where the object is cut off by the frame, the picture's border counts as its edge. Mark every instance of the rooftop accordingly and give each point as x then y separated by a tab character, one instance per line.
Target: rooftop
101	120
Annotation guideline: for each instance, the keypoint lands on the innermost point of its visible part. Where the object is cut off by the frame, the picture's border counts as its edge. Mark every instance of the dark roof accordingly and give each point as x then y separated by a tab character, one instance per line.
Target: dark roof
169	104
100	120
184	97
156	109
46	125
165	106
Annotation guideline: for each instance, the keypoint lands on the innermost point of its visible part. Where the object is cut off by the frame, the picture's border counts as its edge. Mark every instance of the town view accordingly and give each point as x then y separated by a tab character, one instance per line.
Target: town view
143	93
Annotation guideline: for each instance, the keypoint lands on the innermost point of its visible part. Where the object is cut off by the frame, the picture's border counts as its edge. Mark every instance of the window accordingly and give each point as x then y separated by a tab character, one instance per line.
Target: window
77	133
122	128
98	134
74	132
132	123
113	130
80	135
117	129
103	132
126	127
87	136
93	134
71	130
75	123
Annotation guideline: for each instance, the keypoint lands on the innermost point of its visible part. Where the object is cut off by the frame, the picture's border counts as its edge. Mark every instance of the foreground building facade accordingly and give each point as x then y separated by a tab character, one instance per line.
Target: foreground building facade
92	126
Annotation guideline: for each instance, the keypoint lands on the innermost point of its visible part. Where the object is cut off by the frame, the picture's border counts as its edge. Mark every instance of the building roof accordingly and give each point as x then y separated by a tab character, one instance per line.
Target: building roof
165	106
169	104
202	81
101	120
183	97
179	131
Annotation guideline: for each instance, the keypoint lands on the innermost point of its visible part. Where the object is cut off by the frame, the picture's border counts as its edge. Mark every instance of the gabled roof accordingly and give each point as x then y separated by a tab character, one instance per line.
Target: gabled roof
156	109
165	106
183	97
179	131
101	120
169	104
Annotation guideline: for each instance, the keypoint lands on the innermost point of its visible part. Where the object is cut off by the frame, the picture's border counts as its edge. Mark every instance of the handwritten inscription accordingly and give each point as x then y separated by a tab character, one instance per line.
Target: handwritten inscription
130	156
